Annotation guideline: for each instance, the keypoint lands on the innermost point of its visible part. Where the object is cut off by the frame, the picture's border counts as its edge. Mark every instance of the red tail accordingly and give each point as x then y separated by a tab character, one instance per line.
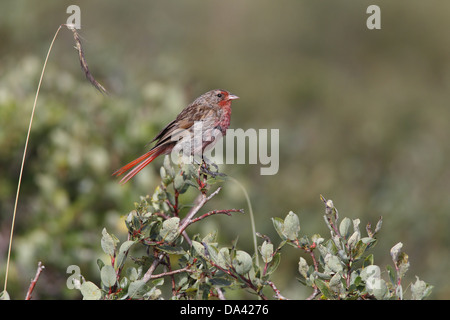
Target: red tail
139	164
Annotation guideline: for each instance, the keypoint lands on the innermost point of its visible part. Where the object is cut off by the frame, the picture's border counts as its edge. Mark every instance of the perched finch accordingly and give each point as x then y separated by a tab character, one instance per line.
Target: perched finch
211	110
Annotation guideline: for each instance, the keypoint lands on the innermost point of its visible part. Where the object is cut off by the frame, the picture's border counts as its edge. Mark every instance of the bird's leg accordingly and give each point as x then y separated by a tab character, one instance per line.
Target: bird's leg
205	168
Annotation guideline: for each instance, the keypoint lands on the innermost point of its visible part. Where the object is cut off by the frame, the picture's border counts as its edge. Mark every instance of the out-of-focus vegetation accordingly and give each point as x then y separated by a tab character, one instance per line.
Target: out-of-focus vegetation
363	118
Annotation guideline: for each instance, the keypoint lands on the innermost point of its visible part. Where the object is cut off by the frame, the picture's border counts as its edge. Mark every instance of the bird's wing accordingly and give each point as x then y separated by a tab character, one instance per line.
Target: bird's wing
184	121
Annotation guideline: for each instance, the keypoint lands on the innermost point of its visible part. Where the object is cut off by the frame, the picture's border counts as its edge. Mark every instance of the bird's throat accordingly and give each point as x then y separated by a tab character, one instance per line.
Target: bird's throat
225	118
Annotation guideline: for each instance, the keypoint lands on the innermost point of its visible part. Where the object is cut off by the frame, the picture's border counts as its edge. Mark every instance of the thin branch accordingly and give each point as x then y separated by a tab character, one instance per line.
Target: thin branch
227	212
220	294
251	285
148	275
200	202
170	273
278	294
310	250
169	267
316	265
232	272
314	294
186	237
34	281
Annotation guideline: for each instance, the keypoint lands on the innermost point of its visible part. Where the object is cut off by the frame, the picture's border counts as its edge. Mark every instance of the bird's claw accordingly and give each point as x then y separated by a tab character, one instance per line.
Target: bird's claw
205	168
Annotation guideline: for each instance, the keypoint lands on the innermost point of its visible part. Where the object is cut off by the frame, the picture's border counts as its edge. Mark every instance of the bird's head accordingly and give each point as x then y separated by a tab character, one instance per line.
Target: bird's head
219	97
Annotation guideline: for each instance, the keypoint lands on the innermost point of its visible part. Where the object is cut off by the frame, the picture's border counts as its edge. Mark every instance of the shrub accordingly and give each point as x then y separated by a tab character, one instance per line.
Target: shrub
200	268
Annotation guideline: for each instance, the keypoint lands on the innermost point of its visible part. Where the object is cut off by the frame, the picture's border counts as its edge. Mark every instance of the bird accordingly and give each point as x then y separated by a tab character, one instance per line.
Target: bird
212	110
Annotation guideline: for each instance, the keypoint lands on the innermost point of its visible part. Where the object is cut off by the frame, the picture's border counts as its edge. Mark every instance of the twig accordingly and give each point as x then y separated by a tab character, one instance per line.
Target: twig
278	294
227	212
316	265
220	294
172	278
200	202
33	281
310	250
148	275
250	284
314	294
231	271
170	273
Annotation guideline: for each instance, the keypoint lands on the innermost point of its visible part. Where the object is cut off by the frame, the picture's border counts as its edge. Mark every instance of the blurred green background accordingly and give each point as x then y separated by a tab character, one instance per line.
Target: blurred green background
363	118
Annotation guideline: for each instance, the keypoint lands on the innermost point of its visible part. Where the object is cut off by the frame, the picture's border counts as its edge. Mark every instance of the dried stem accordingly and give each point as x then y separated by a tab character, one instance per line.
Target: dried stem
83	62
24	155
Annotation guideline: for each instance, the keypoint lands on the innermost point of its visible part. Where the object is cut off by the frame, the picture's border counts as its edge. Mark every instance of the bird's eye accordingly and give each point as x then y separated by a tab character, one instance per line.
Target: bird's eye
219	95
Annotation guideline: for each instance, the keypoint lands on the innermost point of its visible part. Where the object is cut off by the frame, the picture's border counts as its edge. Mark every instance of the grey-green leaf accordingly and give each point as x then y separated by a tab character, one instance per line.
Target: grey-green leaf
223	258
179	183
90	291
108	276
108	243
266	251
199	248
395	251
372	271
291	226
377	287
136	289
171	249
169	170
242	262
336	284
392	274
169	230
274	263
420	289
344	227
333	263
123	253
378	226
323	287
303	267
279	225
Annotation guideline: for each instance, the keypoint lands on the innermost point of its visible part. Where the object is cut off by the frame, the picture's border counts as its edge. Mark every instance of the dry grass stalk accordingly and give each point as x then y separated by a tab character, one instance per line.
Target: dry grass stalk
95	83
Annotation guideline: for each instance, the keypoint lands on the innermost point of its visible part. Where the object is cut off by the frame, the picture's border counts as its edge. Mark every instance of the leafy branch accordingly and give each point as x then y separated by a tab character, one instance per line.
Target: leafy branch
197	267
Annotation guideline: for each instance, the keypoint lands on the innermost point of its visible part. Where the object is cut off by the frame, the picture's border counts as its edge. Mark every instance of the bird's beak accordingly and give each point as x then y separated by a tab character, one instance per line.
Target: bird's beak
232	97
